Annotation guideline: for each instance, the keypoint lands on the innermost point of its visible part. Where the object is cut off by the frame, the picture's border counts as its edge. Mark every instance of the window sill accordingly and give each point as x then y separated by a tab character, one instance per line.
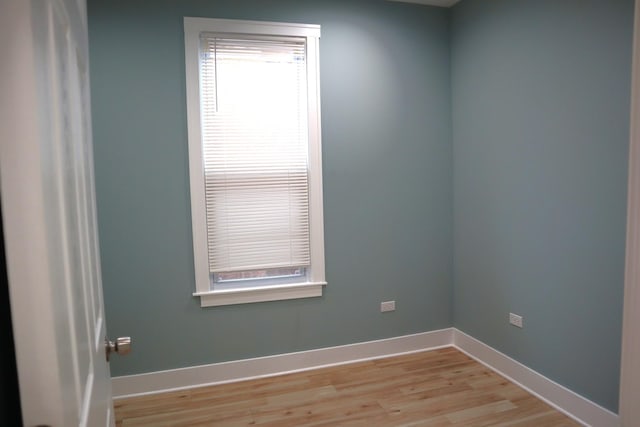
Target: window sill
260	294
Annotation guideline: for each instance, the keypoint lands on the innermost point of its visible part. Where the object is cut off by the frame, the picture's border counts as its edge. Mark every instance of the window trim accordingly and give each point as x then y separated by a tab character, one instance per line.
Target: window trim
313	283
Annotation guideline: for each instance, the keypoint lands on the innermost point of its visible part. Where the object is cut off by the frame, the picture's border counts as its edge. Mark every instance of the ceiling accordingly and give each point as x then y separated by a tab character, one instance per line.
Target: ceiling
441	3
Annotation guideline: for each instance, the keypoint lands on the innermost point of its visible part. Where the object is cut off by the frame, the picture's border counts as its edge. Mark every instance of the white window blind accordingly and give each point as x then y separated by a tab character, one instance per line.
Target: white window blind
253	95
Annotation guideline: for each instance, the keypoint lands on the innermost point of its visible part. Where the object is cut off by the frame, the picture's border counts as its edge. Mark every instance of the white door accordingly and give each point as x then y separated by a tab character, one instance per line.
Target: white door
49	214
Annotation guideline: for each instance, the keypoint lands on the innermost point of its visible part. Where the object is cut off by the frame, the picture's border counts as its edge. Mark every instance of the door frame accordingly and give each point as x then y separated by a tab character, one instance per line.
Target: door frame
629	409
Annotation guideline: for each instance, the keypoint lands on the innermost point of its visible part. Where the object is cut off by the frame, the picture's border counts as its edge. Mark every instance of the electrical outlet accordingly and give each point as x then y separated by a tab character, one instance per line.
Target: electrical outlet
387	306
515	320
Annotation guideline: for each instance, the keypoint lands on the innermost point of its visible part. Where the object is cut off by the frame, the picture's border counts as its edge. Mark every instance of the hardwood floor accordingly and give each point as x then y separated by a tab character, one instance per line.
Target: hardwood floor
436	388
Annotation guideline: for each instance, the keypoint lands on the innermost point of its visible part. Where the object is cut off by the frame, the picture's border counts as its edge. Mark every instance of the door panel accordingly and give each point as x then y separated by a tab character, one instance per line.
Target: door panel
48	199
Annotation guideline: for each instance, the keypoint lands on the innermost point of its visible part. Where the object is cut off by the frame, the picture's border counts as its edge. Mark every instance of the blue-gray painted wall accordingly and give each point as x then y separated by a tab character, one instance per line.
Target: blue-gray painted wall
540	135
498	128
386	128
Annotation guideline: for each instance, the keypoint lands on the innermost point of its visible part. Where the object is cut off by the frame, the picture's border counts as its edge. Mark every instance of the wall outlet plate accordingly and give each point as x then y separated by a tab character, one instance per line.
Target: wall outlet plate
387	306
515	320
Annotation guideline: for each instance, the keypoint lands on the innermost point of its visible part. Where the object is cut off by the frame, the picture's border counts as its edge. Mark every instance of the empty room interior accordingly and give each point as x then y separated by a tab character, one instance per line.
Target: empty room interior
474	162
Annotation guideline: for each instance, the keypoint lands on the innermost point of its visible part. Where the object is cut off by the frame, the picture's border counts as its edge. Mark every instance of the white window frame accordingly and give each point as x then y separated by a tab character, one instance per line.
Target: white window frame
311	285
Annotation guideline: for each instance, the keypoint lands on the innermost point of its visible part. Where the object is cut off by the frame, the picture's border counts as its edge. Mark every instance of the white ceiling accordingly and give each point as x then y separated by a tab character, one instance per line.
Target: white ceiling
441	3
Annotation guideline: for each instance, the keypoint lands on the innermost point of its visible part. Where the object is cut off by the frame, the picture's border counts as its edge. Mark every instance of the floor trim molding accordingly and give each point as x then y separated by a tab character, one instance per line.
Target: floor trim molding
260	367
556	395
560	397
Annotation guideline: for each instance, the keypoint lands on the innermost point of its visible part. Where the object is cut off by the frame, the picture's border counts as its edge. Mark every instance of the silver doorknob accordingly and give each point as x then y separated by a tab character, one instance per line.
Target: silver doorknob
122	346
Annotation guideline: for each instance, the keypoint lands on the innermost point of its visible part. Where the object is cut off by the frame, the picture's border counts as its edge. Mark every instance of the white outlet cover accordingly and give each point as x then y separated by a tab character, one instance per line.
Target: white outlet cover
387	306
515	320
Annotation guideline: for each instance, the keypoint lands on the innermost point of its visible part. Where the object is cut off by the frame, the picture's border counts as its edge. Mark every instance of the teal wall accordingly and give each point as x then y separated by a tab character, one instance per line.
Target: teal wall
386	125
540	134
474	158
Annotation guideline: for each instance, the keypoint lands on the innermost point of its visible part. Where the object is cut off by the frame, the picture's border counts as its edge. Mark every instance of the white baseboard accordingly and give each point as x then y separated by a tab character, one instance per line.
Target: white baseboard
556	395
239	370
561	398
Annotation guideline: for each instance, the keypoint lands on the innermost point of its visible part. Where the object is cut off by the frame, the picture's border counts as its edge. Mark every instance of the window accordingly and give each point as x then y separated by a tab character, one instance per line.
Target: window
254	160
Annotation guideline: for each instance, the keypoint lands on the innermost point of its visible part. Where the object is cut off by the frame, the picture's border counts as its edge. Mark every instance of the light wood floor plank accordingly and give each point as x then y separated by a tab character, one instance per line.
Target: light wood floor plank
440	388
